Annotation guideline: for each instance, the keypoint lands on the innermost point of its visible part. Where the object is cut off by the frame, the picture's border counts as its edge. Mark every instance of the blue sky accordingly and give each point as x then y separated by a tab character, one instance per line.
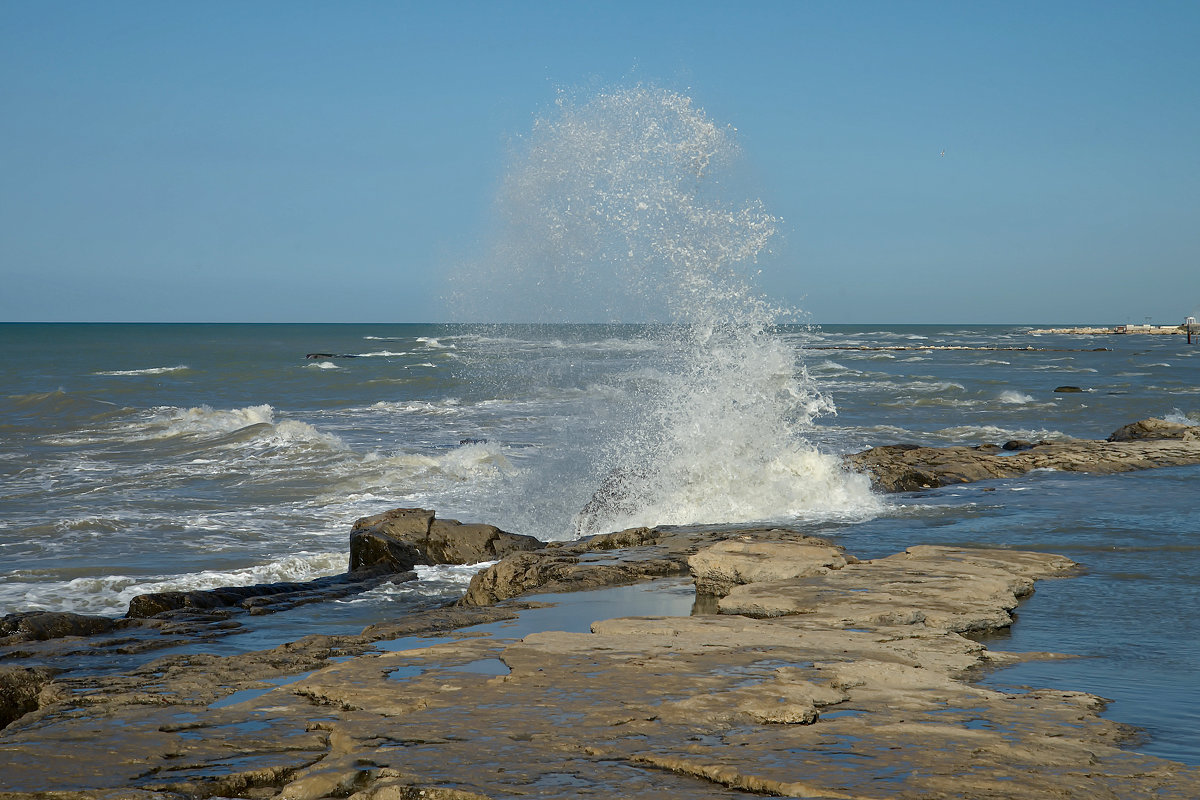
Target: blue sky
292	161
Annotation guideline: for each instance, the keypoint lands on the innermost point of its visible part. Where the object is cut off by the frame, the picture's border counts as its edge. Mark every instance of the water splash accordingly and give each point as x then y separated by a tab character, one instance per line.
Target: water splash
617	209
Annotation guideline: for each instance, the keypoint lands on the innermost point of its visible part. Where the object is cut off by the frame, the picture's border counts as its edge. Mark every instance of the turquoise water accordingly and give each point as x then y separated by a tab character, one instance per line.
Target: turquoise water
141	458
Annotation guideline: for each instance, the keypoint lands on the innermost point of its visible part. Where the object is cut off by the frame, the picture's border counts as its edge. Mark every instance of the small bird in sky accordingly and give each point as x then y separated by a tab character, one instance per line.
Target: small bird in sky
943	152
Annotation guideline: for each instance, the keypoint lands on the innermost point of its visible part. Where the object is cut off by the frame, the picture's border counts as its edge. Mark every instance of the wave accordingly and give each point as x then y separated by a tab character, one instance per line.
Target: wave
147	371
450	405
975	434
322	365
1189	418
110	594
229	427
1015	398
467	462
434	343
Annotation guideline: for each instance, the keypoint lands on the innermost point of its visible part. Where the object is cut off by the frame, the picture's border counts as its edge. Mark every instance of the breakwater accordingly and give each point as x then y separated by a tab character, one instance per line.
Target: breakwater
1120	329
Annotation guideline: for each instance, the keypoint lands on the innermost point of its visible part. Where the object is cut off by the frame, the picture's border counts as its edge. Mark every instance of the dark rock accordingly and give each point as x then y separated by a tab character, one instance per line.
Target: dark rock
399	532
19	690
40	626
1017	444
1154	429
1067	389
265	598
371	545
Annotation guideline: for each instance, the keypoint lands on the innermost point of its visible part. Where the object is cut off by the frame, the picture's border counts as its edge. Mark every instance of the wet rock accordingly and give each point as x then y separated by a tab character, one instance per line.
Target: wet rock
19	690
1067	389
907	468
265	598
415	536
44	625
1017	444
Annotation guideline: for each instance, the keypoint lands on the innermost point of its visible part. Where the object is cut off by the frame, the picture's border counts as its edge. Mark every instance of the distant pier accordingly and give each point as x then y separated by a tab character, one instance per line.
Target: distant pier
1122	329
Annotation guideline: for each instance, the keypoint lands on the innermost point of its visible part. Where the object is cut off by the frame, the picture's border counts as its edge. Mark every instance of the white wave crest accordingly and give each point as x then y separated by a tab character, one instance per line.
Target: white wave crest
1015	398
322	365
434	343
256	423
110	594
449	405
976	434
1182	418
148	371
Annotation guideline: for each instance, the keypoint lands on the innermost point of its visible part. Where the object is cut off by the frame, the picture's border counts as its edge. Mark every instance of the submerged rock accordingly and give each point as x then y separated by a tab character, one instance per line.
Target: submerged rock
1142	445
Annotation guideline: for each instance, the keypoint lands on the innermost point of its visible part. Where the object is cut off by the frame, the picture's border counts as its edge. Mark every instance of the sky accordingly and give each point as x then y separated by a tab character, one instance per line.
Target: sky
930	162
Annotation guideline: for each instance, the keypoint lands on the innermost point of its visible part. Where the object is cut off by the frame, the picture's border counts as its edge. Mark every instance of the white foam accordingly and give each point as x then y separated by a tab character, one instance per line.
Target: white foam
110	594
1015	398
322	365
976	434
148	371
449	405
616	210
1178	416
254	426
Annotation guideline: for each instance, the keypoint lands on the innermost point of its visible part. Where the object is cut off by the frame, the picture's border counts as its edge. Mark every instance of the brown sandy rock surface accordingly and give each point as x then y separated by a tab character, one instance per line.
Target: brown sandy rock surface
824	693
1142	445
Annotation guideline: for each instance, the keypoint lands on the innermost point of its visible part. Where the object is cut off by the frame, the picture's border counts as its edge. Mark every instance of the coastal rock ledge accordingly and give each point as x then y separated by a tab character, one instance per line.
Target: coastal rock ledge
1146	444
807	672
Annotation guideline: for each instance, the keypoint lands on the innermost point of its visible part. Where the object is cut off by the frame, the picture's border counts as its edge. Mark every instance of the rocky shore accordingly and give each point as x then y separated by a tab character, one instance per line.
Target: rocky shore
802	671
1146	444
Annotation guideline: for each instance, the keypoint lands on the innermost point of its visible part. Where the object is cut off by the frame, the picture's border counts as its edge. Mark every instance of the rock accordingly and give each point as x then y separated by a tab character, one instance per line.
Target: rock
558	571
1068	389
719	567
265	598
398	533
947	589
907	468
384	547
44	625
19	690
1017	444
859	688
1154	429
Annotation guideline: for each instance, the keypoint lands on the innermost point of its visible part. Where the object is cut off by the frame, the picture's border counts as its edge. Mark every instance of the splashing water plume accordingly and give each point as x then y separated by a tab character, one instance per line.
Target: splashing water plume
615	206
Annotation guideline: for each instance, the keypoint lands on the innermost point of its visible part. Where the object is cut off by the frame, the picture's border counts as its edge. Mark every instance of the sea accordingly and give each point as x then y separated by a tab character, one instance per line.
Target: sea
148	457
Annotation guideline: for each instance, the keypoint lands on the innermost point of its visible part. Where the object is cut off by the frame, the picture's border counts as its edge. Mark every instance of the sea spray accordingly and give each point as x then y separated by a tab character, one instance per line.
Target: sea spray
616	209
